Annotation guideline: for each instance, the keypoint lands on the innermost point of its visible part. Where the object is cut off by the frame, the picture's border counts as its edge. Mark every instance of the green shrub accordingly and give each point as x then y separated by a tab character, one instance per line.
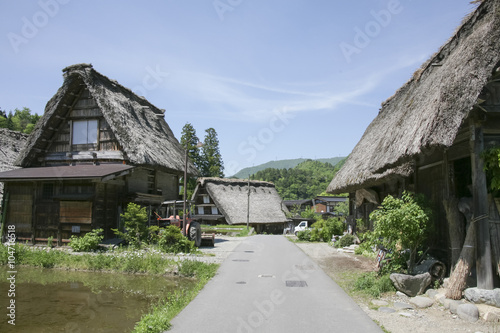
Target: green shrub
135	219
89	242
170	239
373	285
304	235
400	224
345	240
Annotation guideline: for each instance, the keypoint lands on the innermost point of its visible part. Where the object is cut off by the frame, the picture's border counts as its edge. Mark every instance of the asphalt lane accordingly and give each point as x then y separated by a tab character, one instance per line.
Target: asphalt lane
269	285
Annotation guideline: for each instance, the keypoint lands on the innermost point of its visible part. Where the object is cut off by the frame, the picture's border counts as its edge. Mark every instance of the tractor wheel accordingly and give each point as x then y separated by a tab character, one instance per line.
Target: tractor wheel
195	233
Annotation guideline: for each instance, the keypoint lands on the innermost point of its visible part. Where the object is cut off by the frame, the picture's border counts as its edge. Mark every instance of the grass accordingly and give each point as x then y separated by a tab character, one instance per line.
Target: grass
237	230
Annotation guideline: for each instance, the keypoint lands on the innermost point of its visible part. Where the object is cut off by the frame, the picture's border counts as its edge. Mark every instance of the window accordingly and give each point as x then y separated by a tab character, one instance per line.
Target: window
85	131
215	211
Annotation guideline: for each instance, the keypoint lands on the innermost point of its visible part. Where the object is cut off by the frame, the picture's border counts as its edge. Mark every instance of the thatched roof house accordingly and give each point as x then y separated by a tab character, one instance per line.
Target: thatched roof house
427	112
11	143
429	136
227	201
97	147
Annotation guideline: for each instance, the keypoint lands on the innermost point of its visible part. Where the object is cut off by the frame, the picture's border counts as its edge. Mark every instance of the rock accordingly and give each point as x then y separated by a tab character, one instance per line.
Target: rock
453	305
402	295
431	293
403	306
421	302
440	298
411	285
489	313
378	302
406	314
386	310
468	312
480	296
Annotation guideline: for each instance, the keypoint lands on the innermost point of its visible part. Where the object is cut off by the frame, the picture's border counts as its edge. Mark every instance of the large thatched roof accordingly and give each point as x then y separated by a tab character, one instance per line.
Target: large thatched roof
429	109
11	143
139	126
231	198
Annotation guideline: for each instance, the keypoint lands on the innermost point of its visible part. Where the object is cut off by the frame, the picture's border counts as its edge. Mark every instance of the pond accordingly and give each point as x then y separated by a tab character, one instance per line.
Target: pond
49	300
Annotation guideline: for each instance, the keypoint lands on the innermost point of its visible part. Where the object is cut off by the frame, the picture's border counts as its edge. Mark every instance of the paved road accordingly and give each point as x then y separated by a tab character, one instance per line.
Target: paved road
269	285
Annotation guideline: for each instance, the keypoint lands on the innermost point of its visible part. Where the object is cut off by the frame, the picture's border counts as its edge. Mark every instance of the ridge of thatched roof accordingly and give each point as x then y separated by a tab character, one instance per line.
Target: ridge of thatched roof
231	198
429	109
139	126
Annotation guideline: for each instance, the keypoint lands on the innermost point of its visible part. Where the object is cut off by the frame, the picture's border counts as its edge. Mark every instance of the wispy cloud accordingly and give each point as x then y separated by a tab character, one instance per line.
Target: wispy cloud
249	101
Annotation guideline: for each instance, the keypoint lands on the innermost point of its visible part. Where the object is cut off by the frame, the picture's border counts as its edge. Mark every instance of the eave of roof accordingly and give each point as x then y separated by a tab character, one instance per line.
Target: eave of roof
77	172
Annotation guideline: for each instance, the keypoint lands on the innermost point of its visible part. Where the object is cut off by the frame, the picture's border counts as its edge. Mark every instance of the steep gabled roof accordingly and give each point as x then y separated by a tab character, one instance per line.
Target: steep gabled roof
429	109
231	198
139	126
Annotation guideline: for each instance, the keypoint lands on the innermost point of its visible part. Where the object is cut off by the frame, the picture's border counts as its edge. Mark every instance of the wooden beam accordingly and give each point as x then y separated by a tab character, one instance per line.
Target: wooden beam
481	209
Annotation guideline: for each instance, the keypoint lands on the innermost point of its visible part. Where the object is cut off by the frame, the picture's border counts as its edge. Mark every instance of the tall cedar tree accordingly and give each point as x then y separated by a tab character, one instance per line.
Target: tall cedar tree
190	140
213	165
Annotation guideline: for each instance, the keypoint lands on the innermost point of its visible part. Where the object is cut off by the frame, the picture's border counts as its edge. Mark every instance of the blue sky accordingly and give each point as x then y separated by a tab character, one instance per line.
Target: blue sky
277	79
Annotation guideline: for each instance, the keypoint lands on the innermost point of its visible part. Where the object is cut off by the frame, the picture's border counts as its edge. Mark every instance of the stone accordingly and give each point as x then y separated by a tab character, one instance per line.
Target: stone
483	296
406	314
403	306
378	302
468	312
440	298
489	313
386	310
431	293
421	302
453	305
411	285
402	295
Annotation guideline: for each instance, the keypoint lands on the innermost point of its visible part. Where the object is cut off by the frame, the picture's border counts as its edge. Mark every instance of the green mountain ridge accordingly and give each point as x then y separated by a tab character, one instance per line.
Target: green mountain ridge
282	164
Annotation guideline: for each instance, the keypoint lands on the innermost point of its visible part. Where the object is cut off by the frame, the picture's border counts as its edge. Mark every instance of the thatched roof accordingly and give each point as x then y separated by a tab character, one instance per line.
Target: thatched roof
427	111
11	143
231	198
139	126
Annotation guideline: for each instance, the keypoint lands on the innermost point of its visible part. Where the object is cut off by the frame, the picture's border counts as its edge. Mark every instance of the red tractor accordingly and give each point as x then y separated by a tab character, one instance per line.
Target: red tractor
192	228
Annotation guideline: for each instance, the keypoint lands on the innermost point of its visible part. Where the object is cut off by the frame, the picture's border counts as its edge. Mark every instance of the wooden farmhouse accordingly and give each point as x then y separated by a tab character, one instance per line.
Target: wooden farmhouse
429	138
233	201
97	147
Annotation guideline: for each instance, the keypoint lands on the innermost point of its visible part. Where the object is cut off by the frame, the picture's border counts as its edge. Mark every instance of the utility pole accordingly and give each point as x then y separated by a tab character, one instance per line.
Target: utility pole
248	203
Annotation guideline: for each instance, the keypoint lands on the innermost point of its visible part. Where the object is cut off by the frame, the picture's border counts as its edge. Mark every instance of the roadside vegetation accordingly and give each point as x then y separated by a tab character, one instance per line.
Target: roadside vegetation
226	229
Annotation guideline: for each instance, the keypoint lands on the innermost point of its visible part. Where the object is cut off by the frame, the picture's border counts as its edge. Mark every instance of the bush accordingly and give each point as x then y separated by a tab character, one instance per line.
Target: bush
134	219
373	285
400	224
304	235
89	242
170	239
345	240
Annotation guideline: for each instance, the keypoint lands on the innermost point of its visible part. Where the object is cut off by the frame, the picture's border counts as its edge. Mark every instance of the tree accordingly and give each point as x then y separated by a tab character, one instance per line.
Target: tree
400	224
21	120
212	159
190	140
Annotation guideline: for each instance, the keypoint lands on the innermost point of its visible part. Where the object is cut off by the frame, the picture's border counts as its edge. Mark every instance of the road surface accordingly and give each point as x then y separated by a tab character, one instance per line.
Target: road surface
267	284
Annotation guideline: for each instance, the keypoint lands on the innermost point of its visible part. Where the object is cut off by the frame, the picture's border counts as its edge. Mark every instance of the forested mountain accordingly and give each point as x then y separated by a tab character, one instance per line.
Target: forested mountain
305	181
282	164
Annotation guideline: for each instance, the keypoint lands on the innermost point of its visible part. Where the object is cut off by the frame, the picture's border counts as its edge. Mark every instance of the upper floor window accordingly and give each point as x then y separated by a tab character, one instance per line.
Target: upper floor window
85	132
